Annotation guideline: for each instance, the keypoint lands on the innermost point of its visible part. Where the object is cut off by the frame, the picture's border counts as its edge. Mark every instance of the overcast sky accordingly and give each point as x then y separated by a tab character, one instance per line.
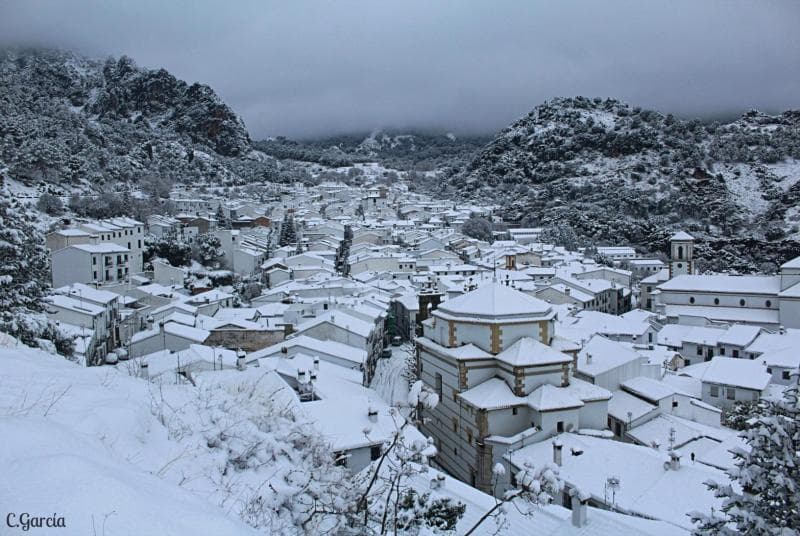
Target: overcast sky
302	68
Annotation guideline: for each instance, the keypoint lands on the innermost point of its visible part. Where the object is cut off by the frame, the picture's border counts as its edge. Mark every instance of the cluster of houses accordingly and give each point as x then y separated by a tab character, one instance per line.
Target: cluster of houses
538	354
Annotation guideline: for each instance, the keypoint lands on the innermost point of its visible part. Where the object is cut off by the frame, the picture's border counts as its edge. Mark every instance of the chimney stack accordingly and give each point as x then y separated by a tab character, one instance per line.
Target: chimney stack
316	362
144	370
557	447
674	460
240	359
579	501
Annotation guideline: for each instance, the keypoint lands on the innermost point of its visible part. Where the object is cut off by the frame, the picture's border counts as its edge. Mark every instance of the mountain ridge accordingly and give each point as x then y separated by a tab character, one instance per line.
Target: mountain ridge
572	162
69	119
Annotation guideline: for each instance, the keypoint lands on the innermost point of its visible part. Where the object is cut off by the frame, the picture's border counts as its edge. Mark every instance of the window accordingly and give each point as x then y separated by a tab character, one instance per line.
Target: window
469	436
513	411
716	301
455	424
374	452
714	391
735	353
140	243
674	403
94	261
785	374
439	385
691	299
699	351
649	289
560	426
680	265
768	303
742	302
722	351
769	370
680	254
731	393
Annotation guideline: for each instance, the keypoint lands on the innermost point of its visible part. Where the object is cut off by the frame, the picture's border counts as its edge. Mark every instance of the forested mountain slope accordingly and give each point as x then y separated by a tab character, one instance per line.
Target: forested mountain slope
400	149
70	120
614	173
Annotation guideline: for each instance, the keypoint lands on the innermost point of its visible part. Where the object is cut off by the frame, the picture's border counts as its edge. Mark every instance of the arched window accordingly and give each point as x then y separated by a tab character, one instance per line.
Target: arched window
716	301
680	252
691	299
742	302
769	303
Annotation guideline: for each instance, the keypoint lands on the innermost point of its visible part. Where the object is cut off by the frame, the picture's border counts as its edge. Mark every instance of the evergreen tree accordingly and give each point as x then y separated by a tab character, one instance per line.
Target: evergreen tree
24	277
207	250
477	227
288	233
222	220
768	474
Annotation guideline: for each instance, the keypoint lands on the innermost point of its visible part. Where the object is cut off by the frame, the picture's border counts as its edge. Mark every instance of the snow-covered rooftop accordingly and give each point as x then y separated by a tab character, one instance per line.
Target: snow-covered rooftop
529	352
492	301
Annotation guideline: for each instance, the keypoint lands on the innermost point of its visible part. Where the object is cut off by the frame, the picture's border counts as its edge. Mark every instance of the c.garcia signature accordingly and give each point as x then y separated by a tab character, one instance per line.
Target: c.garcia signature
26	521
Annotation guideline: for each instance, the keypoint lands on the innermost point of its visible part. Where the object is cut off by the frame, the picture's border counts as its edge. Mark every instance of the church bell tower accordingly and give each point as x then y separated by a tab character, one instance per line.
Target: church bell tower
681	254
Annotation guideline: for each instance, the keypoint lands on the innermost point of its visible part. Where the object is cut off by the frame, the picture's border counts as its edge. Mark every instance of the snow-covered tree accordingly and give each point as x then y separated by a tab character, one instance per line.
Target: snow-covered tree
50	204
24	276
764	497
169	248
207	250
222	220
477	227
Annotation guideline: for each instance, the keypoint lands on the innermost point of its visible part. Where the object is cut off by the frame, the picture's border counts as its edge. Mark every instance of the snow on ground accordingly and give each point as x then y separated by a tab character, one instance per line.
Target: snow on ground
788	171
389	380
83	444
745	189
120	455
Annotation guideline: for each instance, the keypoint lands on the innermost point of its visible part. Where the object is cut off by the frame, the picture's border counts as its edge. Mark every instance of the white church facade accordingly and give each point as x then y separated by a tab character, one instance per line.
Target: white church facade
768	301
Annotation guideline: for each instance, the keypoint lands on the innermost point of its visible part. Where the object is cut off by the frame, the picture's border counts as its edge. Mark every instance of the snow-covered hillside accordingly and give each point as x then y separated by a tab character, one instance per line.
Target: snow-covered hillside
70	120
119	455
574	162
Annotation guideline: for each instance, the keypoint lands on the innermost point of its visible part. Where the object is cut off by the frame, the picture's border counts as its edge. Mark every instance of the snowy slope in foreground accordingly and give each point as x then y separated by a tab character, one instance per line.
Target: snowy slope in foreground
73	439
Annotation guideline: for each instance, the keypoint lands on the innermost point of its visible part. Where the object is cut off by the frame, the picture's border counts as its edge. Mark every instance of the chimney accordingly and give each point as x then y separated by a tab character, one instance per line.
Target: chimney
372	413
579	501
557	446
316	362
674	460
301	376
161	326
144	371
567	290
240	359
